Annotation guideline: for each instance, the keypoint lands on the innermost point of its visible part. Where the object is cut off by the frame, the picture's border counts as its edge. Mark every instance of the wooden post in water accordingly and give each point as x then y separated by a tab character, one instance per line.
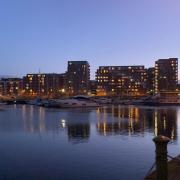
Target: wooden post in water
161	157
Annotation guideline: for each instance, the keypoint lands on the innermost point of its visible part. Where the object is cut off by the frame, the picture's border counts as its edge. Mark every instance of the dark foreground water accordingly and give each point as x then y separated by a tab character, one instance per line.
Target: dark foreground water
112	143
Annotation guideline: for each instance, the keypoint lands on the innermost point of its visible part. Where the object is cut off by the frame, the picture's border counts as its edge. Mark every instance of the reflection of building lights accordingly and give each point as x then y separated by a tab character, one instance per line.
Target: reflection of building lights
164	123
155	123
104	127
98	111
172	134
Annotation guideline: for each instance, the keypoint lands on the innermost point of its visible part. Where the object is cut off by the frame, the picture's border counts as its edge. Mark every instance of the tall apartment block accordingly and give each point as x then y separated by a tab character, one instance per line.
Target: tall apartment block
121	80
11	87
78	77
166	74
44	84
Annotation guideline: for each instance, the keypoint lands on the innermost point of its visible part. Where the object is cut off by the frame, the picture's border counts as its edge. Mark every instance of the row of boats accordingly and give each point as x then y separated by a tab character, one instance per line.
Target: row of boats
77	101
72	102
86	101
160	99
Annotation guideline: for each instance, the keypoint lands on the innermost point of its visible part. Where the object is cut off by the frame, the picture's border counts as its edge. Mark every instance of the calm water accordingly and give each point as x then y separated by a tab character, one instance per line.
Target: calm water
83	144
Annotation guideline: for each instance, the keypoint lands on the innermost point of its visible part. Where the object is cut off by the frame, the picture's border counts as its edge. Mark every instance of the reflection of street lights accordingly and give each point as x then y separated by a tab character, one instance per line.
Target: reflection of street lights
63	123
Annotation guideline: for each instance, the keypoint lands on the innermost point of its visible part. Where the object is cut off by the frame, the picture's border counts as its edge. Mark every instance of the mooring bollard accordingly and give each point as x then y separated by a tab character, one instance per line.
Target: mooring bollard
161	157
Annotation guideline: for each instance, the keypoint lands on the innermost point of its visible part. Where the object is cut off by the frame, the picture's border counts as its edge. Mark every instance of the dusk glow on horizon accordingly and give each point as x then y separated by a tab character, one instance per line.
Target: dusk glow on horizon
45	34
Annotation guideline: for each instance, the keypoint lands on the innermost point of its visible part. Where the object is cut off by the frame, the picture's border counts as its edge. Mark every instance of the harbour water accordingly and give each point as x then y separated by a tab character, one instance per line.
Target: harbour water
83	144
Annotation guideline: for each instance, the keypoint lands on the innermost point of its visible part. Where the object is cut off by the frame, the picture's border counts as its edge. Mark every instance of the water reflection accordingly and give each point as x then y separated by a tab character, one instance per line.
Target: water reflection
33	119
43	141
78	132
123	120
77	124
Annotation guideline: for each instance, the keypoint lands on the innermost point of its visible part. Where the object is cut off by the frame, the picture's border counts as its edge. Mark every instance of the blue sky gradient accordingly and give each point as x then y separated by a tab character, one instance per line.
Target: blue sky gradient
45	34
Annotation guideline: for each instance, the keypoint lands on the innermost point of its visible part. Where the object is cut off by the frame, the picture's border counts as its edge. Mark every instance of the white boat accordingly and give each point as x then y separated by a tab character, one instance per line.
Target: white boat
101	100
75	102
164	98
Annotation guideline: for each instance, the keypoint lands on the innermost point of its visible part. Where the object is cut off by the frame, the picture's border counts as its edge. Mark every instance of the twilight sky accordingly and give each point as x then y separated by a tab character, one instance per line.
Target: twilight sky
45	34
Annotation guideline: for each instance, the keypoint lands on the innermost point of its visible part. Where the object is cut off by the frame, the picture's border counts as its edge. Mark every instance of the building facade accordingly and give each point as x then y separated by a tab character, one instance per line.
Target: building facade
11	87
78	77
166	74
121	80
44	84
93	87
151	81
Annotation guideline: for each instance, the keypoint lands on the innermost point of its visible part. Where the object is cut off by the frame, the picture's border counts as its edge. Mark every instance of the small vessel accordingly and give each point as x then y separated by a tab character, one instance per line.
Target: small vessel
102	100
75	102
163	99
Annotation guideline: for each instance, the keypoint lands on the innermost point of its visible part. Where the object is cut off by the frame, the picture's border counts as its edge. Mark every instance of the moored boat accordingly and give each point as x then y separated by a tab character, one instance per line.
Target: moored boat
75	102
163	99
